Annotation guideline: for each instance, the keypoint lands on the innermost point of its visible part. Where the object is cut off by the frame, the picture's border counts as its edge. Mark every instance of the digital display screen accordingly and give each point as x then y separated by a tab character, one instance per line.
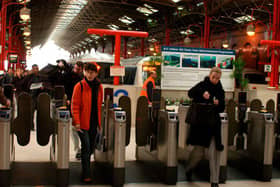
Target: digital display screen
12	58
4	114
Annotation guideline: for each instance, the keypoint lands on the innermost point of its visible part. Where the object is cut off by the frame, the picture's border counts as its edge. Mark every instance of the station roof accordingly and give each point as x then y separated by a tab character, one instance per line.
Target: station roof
67	21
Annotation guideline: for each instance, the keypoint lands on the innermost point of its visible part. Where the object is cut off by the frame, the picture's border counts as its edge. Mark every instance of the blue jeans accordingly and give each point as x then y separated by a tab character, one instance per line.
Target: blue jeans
87	143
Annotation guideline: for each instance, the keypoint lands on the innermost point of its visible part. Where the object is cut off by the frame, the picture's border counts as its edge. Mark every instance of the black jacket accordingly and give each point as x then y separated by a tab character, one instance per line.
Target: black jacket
71	79
201	133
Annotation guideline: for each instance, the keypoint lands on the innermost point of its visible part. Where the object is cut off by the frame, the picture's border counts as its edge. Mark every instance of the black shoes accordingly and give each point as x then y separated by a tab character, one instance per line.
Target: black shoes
214	185
78	155
189	175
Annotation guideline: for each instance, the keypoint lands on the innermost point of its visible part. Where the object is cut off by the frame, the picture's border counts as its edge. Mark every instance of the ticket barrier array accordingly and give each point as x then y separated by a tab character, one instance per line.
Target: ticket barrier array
112	153
184	149
258	153
47	124
165	151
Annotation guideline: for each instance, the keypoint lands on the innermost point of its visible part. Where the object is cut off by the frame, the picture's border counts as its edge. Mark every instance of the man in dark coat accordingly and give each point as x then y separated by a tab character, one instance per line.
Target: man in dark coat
205	132
71	79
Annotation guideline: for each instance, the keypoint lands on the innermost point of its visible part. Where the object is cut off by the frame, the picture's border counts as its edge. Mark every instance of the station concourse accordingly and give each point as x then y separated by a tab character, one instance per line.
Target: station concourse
207	71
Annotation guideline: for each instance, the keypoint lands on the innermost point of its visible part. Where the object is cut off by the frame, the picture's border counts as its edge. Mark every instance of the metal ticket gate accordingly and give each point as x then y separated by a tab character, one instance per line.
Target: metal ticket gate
5	146
59	150
20	126
260	143
166	150
112	153
183	151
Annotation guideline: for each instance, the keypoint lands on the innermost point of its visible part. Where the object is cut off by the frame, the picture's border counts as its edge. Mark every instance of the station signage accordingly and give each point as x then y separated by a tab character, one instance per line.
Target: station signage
117	71
183	67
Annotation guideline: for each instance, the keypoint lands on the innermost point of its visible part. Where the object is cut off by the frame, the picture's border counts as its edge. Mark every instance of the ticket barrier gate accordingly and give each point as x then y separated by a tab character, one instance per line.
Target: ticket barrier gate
183	148
112	154
258	155
166	149
21	128
5	147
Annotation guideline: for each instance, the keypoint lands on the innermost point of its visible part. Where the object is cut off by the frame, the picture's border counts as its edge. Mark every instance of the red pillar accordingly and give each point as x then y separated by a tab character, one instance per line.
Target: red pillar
142	47
117	56
274	76
167	32
3	33
206	25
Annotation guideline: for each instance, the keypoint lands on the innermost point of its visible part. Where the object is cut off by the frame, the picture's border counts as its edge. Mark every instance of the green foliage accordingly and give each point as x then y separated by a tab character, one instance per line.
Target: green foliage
241	81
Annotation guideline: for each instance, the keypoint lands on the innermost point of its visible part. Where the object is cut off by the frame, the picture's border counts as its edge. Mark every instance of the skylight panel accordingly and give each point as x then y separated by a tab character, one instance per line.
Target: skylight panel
243	19
147	9
113	27
127	20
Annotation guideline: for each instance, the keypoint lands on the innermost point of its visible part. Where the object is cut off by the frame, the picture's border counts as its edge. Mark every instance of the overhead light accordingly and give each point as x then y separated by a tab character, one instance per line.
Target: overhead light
180	7
251	30
200	4
113	27
225	44
28	47
152	40
186	32
152	48
126	20
149	20
24	13
187	40
243	19
129	53
176	1
155	54
147	9
28	42
26	31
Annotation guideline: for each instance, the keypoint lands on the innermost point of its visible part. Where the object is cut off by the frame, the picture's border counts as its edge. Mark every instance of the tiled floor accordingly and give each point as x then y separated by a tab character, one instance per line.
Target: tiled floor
36	153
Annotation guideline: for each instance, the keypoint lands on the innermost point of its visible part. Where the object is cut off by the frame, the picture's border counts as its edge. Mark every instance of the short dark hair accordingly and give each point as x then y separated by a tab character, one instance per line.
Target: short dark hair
80	64
34	65
90	66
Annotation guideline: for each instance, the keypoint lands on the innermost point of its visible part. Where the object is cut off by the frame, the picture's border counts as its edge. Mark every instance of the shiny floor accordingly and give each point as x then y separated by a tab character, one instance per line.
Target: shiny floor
36	153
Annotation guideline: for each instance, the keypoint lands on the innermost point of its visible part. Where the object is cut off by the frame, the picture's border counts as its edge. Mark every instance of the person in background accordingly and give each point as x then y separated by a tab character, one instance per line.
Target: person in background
206	133
18	81
62	68
30	83
8	77
149	84
86	113
71	79
3	99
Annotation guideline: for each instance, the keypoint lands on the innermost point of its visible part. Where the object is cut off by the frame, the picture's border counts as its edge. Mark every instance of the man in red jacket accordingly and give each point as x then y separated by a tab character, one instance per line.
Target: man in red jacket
86	111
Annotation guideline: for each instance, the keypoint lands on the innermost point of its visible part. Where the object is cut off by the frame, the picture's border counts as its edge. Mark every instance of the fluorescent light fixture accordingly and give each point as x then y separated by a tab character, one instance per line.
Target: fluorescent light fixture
127	20
200	4
113	27
180	7
243	19
147	9
176	1
152	40
187	32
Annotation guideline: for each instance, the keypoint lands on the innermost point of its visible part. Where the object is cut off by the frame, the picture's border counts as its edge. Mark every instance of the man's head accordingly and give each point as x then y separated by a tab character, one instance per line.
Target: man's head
35	69
90	71
78	67
61	63
153	74
215	75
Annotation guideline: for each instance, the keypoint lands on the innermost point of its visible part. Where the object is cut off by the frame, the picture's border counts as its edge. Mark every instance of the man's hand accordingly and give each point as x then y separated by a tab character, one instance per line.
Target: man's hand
68	102
8	103
206	95
78	128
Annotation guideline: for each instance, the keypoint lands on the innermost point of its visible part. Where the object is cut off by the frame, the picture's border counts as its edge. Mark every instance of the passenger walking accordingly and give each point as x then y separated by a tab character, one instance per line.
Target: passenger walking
71	79
86	111
18	81
149	84
205	128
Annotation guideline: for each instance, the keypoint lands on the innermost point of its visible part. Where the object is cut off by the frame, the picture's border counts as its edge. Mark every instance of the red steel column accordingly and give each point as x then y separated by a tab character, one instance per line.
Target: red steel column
274	60
117	56
206	25
142	47
167	32
3	33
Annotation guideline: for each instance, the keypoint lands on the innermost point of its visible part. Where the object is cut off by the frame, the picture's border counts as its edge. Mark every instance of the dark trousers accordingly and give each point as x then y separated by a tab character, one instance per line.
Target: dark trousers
87	138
